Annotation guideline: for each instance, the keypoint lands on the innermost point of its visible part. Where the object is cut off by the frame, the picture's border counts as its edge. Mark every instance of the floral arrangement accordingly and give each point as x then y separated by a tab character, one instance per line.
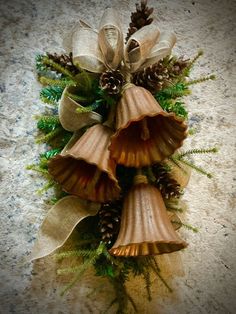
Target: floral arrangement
113	126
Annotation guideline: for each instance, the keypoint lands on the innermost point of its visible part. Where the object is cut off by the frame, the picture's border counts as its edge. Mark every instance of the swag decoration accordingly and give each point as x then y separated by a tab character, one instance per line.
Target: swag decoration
113	127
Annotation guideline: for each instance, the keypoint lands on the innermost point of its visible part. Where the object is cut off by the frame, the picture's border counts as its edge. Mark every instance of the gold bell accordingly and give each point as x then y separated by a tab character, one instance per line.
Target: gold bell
145	133
145	226
86	169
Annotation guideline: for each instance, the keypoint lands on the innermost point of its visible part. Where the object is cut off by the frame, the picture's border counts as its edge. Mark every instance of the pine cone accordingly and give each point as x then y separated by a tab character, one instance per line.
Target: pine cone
160	75
176	67
139	18
64	60
168	187
153	78
109	223
112	81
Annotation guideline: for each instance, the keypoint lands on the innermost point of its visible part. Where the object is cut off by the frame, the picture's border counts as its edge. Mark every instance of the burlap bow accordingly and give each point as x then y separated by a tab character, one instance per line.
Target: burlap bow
96	50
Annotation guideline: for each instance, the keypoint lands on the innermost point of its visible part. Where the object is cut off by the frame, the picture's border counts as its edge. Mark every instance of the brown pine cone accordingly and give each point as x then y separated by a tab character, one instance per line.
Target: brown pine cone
153	78
109	221
177	66
64	60
139	18
168	187
112	81
160	75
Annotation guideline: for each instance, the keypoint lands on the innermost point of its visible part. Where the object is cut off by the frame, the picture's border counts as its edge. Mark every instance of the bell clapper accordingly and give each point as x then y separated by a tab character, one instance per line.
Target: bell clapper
145	134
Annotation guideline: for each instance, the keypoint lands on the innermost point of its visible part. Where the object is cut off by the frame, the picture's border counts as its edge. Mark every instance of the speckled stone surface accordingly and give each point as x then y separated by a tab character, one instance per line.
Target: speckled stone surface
208	284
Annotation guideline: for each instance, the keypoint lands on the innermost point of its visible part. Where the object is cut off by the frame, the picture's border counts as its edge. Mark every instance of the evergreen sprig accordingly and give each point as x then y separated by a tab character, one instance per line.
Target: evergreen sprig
51	94
175	107
173	92
48	123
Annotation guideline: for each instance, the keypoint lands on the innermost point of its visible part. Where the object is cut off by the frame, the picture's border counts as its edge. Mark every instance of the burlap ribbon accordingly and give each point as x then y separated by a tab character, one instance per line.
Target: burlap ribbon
59	223
96	50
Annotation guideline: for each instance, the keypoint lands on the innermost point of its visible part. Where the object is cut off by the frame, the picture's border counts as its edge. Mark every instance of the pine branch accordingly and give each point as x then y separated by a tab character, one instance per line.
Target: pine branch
175	107
201	80
190	65
198	169
76	253
51	94
56	82
173	92
187	226
46	187
78	98
50	153
148	284
196	151
48	123
37	168
56	66
81	269
90	108
49	136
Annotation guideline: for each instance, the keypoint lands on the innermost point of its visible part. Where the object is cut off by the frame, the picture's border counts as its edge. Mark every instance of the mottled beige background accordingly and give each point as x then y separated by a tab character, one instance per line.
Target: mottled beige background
208	284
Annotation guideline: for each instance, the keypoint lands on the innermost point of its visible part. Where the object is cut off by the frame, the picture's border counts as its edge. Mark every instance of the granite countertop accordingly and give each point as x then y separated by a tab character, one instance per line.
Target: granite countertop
208	282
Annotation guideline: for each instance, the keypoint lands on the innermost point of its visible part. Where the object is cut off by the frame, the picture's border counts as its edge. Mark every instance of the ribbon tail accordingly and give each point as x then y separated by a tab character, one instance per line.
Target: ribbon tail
59	223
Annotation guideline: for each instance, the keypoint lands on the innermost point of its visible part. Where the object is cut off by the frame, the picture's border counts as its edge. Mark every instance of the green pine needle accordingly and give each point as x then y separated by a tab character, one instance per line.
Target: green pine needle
173	92
196	151
50	136
187	226
198	169
201	80
92	107
51	94
48	123
45	60
50	153
177	108
56	82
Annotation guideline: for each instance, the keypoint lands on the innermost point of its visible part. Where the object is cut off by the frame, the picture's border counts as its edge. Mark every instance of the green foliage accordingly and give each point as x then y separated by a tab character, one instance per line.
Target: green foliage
175	107
201	80
48	123
187	226
196	151
172	92
50	153
63	82
51	94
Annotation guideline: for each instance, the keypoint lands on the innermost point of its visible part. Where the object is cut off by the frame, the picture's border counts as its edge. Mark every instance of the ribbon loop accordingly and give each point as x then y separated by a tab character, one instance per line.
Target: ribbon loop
111	39
70	119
